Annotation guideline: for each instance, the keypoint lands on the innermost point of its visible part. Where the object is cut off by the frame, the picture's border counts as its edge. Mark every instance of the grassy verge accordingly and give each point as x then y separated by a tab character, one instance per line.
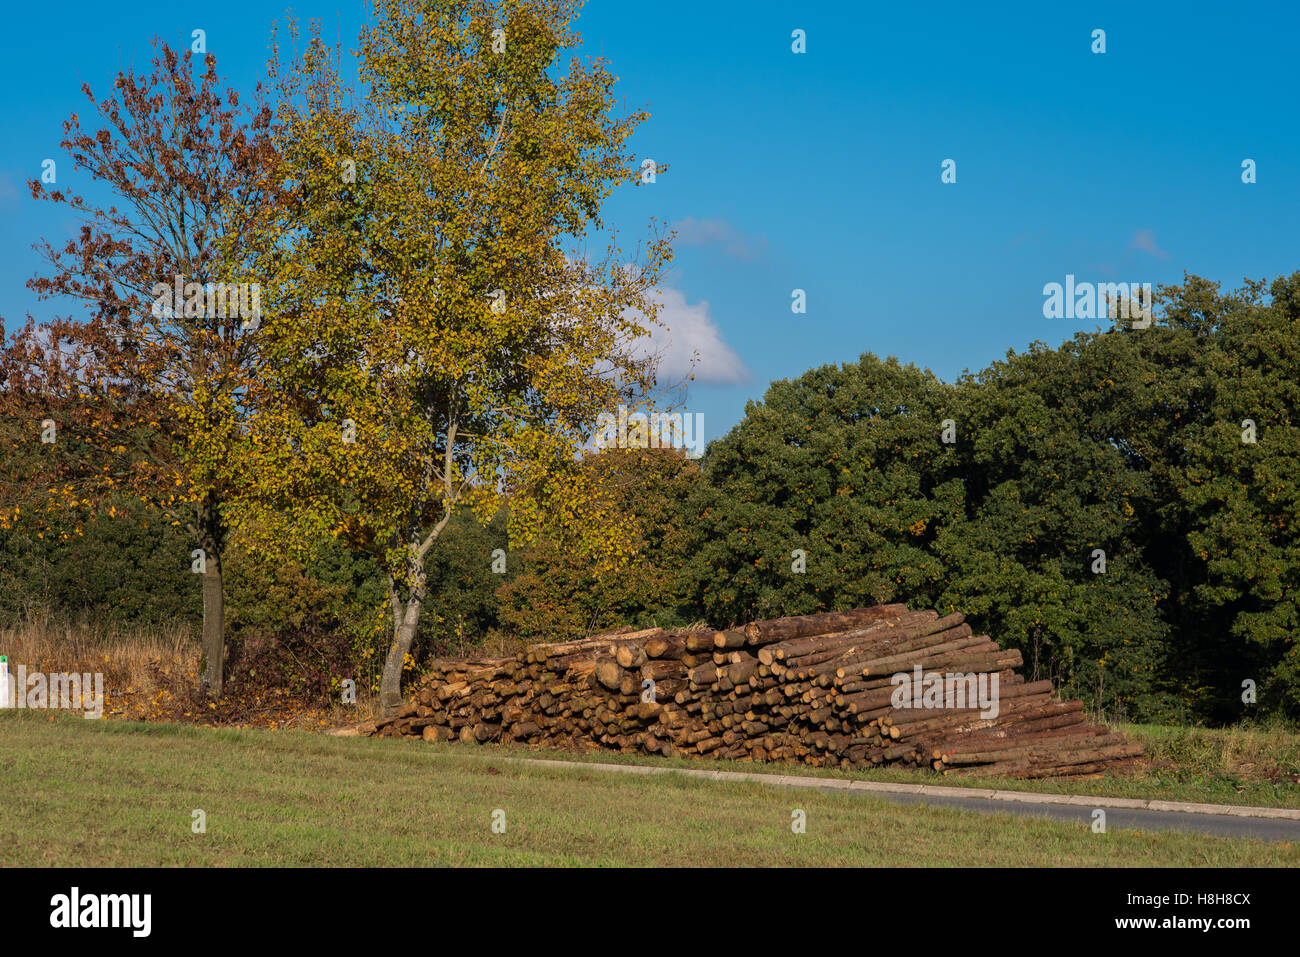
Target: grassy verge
1240	758
121	793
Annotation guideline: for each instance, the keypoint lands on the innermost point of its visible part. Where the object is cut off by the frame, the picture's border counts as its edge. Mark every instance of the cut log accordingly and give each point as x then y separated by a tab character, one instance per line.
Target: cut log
817	689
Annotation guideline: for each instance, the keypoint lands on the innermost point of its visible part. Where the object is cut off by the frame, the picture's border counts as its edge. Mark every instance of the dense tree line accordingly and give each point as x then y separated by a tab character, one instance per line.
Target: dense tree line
1122	508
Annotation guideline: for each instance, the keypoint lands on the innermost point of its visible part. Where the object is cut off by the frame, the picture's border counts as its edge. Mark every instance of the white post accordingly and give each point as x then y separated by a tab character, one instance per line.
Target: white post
4	681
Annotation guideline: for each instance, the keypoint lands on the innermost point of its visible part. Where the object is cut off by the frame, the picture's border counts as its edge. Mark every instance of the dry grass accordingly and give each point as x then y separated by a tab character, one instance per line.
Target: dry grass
133	660
152	674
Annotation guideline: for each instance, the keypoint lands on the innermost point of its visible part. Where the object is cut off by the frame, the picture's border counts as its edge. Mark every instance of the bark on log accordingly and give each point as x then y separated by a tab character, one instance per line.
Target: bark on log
819	689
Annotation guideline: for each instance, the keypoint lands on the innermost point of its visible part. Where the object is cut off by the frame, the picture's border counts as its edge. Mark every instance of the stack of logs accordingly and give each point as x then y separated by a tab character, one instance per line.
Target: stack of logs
817	689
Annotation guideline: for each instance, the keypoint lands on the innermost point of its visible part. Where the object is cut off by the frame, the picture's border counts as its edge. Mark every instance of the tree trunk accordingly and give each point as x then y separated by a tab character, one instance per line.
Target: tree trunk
214	627
405	622
212	539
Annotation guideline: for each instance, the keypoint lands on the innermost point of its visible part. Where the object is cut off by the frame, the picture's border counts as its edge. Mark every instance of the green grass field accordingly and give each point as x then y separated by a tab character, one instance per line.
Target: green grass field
83	793
1198	765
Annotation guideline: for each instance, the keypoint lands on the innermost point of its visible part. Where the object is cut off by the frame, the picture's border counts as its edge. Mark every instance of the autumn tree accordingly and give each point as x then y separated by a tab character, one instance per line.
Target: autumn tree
553	593
437	339
143	395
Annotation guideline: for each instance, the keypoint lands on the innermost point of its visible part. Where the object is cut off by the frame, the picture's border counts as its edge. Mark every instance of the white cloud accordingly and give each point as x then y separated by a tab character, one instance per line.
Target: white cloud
700	232
685	332
1145	240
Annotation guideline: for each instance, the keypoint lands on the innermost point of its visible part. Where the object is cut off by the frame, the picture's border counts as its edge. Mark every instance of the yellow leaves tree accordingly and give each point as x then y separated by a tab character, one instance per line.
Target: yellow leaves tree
435	337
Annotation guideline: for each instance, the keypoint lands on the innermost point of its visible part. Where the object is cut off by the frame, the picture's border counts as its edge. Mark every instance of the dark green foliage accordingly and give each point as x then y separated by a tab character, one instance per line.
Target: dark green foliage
849	464
845	464
278	605
1049	557
1126	442
463	604
125	568
1242	499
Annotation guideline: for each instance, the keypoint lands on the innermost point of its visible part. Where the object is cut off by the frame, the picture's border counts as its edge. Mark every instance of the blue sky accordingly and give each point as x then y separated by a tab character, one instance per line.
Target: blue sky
821	171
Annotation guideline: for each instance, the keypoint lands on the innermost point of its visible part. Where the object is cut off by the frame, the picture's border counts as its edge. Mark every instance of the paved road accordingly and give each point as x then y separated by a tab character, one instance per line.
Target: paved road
1282	825
1223	825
